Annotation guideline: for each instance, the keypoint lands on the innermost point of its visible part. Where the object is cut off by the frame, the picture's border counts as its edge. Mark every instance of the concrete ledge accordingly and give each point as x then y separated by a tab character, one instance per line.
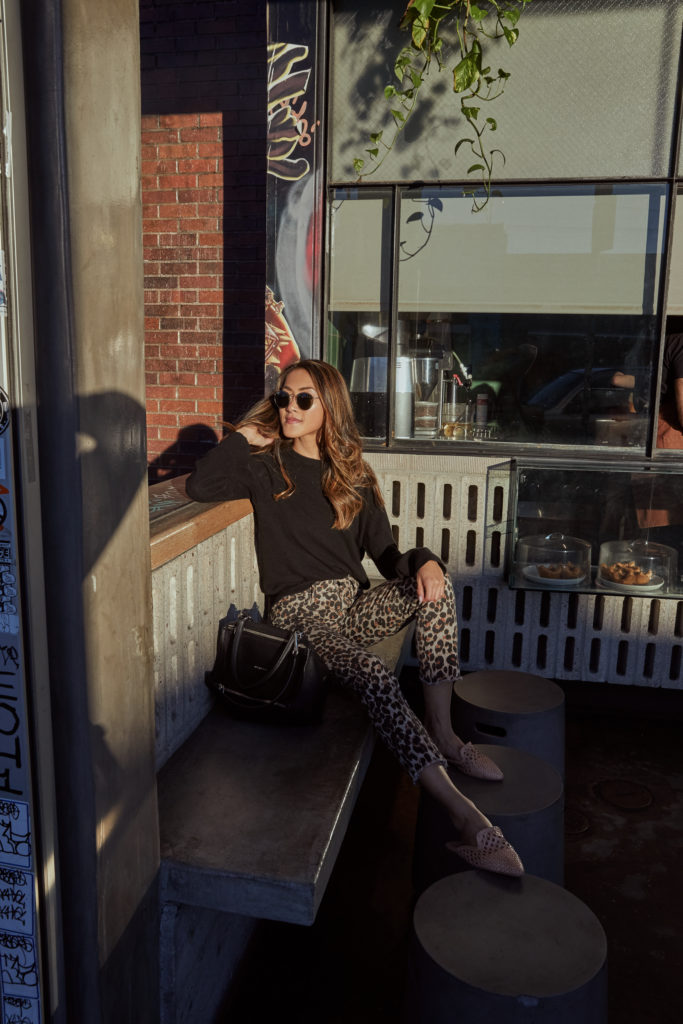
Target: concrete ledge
178	524
252	817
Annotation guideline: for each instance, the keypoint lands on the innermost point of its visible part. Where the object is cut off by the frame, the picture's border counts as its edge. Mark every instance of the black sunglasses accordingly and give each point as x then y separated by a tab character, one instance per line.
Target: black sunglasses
304	400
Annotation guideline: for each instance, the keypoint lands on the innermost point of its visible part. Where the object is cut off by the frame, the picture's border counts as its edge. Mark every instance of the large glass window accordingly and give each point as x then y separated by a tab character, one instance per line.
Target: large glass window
532	321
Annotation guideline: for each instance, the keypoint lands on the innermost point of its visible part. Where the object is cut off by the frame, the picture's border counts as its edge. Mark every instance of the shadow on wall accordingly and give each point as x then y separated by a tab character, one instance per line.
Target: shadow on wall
179	458
111	450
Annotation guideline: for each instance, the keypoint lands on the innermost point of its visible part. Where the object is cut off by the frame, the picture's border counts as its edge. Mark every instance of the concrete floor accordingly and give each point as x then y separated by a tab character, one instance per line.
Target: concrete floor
624	859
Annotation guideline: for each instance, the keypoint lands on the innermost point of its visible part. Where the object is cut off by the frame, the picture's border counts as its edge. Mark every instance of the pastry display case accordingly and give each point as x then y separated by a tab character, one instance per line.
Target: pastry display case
596	528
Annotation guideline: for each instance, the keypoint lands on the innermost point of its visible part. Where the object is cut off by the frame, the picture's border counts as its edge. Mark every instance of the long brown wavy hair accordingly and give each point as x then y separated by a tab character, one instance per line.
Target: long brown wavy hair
339	443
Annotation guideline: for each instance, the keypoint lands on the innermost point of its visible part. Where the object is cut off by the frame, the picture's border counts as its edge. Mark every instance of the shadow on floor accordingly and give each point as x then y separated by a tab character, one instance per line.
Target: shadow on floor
624	850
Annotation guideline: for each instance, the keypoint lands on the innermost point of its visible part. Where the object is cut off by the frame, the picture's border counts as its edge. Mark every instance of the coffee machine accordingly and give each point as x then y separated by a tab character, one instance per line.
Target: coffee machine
368	383
420	362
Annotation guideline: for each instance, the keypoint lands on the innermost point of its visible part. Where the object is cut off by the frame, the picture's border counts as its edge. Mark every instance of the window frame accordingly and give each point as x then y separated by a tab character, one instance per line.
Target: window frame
670	186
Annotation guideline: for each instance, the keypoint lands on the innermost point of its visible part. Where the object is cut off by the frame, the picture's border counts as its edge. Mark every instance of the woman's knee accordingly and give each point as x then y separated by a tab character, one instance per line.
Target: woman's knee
373	675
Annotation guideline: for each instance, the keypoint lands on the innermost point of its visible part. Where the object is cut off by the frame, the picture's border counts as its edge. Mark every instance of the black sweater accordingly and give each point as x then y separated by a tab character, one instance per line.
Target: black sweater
296	544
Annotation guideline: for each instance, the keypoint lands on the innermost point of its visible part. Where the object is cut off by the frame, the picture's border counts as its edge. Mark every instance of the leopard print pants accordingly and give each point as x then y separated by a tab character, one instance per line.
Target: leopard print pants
340	620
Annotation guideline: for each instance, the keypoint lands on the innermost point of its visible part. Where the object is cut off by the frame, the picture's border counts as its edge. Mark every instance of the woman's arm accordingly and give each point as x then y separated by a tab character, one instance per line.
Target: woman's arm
624	380
377	539
430	581
254	435
678	397
224	473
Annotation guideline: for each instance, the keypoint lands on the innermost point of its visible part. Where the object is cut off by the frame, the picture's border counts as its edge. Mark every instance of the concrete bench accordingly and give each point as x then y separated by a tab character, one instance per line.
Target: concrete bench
252	816
251	820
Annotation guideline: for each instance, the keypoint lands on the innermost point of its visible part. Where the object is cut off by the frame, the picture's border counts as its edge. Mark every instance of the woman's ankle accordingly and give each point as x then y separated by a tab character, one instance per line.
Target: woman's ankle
448	742
470	829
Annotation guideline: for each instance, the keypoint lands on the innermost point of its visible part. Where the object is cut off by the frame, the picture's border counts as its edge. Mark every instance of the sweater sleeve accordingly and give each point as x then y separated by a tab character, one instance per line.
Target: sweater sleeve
377	539
224	473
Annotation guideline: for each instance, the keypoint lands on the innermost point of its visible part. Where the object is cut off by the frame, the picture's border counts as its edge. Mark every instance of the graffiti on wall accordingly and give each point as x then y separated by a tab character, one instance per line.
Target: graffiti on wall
288	128
281	347
292	225
19	981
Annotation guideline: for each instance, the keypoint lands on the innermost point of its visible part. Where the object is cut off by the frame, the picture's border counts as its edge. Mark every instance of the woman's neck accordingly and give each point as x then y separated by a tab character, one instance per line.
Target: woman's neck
306	446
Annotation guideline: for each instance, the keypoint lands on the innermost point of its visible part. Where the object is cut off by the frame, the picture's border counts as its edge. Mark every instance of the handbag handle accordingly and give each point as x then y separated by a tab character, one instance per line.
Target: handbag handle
290	647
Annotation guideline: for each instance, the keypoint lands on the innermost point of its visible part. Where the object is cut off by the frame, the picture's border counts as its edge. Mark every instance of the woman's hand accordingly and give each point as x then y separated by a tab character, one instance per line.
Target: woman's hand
254	436
431	584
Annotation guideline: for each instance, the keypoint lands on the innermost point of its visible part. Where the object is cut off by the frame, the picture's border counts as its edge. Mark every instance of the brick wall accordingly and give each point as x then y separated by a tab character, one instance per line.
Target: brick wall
204	129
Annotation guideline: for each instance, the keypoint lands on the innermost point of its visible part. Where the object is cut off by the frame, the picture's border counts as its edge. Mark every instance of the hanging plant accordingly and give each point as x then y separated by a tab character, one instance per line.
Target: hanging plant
473	25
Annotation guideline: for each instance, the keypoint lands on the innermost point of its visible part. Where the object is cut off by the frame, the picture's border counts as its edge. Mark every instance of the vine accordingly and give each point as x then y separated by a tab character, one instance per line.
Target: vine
472	80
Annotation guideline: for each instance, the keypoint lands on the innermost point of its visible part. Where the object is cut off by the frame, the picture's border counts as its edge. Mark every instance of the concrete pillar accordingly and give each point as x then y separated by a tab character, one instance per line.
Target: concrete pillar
83	100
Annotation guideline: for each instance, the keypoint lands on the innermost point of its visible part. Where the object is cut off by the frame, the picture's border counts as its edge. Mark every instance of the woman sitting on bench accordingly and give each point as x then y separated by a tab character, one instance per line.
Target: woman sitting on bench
297	456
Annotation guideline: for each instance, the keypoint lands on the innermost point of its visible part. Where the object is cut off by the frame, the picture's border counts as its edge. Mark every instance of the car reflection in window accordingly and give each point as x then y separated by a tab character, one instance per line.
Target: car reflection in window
586	407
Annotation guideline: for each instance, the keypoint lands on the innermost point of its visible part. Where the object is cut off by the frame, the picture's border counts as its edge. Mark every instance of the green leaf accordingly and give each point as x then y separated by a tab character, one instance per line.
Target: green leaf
424	7
476	167
389	91
419	9
373	152
511	14
511	34
358	165
398	117
503	74
491	122
477	14
376	136
403	61
419	32
471	113
466	73
461	142
416	78
407	17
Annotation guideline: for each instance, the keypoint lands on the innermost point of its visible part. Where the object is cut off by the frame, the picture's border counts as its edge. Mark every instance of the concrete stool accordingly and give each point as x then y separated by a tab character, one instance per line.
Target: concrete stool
494	950
528	805
512	708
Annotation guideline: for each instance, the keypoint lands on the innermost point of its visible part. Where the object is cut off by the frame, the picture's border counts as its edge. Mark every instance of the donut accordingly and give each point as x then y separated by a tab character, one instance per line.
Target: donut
550	572
629	574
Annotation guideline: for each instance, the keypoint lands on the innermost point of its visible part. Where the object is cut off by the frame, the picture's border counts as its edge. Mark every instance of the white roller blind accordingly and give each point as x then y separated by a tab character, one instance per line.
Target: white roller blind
356	253
524	253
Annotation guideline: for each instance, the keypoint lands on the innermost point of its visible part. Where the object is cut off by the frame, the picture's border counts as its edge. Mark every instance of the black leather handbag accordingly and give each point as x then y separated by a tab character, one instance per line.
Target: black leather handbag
267	674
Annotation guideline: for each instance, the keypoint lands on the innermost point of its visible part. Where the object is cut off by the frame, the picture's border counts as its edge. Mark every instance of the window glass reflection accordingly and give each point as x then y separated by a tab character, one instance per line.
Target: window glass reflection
540	306
533	321
358	306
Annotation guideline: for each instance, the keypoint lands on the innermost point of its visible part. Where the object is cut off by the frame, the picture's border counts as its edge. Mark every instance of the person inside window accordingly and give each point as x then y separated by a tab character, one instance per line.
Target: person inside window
659	499
670	419
297	457
670	422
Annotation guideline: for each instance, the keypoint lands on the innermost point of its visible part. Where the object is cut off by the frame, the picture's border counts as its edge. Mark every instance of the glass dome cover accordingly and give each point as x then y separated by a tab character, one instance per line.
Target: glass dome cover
636	564
553	558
